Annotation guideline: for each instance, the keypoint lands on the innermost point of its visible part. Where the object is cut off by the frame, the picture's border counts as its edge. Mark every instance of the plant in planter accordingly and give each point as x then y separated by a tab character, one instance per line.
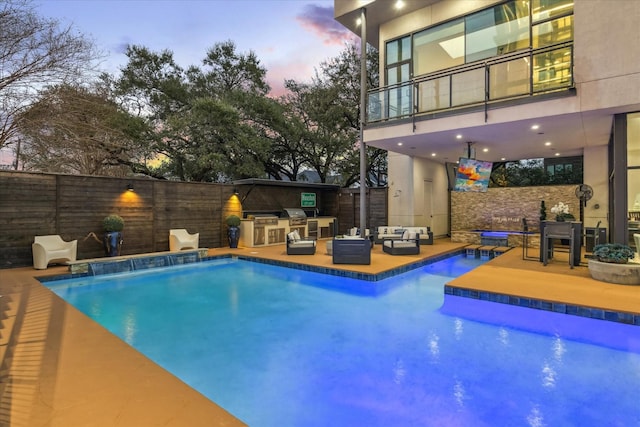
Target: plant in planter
562	212
233	232
112	239
615	253
610	264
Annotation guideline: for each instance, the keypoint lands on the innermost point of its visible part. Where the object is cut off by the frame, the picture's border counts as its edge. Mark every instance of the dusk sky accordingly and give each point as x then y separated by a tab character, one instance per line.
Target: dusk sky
289	37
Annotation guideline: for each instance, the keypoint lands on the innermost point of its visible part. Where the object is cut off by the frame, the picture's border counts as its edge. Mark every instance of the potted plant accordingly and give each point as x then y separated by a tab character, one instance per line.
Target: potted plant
233	230
112	239
610	263
543	211
615	253
562	212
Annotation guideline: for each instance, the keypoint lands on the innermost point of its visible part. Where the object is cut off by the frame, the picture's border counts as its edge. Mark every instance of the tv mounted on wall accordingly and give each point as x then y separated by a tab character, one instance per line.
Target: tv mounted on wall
473	175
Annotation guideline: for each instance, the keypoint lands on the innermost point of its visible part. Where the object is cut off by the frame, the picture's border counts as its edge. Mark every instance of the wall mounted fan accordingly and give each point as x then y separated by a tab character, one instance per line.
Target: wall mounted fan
584	192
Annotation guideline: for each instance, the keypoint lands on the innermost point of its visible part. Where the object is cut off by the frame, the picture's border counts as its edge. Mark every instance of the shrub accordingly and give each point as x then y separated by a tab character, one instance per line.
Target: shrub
613	252
113	222
233	220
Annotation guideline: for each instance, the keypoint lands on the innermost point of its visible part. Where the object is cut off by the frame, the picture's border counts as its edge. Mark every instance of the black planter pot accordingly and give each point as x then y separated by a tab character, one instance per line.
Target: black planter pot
112	241
234	236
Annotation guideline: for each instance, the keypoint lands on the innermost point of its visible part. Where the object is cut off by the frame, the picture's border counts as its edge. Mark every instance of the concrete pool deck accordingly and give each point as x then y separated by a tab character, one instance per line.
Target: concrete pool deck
63	369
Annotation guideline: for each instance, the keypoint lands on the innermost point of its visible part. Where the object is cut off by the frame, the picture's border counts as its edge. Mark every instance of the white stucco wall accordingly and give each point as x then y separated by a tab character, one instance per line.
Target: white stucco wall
596	175
407	193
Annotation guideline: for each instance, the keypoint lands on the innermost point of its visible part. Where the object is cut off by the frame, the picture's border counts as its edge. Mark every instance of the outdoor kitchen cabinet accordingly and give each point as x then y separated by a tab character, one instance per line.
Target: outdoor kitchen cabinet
258	231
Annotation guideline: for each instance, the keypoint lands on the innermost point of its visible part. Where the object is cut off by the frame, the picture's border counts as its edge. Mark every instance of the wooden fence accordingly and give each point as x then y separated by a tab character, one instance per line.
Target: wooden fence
73	206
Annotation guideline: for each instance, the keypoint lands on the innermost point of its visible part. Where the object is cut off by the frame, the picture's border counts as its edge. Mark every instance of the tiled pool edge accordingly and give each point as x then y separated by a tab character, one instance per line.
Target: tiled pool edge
123	264
538	304
127	264
370	277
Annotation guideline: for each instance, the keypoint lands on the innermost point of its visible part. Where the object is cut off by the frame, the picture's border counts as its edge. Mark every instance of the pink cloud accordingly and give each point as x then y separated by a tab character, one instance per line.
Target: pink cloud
319	20
278	73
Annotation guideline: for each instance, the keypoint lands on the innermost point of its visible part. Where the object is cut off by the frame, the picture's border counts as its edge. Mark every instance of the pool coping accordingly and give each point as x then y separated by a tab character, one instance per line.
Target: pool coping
160	259
545	305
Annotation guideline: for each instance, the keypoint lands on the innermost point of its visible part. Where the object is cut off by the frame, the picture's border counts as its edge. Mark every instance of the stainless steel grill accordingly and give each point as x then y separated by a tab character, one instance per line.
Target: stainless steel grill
296	216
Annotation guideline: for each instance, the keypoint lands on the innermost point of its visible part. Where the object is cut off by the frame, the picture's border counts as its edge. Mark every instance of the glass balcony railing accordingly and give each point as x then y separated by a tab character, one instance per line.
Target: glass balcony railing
523	74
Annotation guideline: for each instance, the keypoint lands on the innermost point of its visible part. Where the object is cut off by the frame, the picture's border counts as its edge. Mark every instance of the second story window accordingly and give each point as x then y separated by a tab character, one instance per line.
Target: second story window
501	29
439	47
398	60
398	70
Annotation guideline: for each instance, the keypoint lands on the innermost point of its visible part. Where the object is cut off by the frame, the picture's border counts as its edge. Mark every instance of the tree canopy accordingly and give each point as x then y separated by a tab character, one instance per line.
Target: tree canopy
213	121
35	52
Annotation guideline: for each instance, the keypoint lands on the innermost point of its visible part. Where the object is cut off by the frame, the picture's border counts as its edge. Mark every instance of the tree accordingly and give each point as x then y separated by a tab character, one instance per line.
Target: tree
198	118
328	109
34	52
75	130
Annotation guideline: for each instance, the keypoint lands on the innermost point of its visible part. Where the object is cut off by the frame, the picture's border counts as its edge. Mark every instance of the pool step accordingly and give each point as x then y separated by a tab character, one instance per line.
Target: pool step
471	251
486	252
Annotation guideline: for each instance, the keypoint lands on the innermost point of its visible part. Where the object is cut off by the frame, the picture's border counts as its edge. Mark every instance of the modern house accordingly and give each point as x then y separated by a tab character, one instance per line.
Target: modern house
504	81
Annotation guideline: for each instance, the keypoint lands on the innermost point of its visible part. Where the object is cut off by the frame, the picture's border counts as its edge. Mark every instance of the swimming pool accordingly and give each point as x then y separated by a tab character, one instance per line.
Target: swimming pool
283	347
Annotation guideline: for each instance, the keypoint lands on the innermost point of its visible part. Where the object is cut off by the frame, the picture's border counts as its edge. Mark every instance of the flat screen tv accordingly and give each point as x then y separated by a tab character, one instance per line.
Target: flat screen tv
473	175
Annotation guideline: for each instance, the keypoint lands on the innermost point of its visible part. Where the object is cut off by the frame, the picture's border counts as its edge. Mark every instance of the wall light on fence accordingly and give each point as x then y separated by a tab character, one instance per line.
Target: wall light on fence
130	187
235	191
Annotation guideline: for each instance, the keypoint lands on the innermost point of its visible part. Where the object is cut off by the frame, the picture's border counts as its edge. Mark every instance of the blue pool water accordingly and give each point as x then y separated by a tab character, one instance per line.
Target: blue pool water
282	347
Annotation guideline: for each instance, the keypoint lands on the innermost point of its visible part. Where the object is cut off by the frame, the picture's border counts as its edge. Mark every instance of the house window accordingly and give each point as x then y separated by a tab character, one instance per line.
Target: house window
398	70
542	10
496	31
439	47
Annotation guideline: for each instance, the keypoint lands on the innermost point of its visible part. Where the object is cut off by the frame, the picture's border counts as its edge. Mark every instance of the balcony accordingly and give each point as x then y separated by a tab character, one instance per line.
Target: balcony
521	75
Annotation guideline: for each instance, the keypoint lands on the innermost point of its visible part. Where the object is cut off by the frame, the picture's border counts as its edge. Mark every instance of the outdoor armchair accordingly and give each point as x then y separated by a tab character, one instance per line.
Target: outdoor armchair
180	239
408	245
52	249
297	245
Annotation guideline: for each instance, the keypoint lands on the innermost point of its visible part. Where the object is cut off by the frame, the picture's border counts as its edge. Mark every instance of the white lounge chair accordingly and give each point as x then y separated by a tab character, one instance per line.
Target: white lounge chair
180	239
52	249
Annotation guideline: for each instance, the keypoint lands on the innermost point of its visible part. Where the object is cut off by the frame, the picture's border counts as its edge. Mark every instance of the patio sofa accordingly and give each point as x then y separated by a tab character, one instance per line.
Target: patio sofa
388	232
426	235
52	249
297	245
409	244
351	251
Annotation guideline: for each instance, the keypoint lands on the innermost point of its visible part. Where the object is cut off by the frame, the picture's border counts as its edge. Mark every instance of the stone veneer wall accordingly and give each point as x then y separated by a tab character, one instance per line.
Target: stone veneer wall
476	211
513	240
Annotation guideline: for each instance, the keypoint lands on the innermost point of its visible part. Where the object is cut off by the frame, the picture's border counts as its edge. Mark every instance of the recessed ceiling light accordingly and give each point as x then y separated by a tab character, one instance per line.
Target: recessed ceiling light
503	158
548	143
458	136
557	154
399	144
399	4
535	127
433	154
358	22
485	150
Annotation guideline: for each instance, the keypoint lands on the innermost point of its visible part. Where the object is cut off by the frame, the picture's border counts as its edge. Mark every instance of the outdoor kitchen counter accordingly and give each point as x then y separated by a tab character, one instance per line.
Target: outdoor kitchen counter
271	230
